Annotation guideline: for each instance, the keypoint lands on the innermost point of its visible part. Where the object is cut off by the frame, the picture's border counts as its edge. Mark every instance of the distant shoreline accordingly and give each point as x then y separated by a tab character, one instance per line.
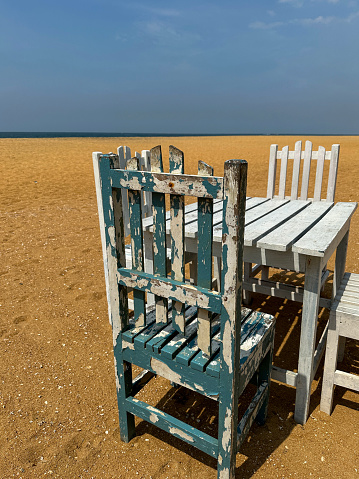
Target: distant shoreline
15	134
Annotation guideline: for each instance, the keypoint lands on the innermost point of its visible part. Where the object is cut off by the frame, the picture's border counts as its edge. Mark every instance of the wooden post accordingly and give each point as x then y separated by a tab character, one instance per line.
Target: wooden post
235	179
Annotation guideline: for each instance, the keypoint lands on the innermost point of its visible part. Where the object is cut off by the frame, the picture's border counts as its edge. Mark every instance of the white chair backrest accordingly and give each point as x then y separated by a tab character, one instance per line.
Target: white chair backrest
307	156
124	154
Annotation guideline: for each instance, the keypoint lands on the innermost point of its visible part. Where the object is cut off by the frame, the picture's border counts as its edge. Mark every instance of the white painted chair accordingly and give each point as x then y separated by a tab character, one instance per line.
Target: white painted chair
343	323
302	161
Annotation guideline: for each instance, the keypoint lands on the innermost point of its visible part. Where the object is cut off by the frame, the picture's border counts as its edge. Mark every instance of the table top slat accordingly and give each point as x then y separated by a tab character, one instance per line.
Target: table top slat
319	238
272	221
282	238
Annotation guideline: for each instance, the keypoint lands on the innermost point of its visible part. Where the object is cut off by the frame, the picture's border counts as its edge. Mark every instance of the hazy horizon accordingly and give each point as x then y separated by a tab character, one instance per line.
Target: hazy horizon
283	66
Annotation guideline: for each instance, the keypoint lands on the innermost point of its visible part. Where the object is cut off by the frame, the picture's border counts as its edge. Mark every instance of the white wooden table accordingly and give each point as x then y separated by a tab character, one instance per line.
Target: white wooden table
296	235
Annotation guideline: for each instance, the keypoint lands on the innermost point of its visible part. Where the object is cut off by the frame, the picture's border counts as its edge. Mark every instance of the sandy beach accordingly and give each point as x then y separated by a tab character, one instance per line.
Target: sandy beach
58	408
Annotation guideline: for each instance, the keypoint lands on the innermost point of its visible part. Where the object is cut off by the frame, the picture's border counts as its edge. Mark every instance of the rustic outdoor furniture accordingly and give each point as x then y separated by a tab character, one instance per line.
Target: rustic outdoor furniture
302	161
120	161
298	235
195	336
343	323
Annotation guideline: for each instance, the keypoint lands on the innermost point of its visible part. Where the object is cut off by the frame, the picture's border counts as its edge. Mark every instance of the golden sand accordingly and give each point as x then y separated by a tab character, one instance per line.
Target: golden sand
58	411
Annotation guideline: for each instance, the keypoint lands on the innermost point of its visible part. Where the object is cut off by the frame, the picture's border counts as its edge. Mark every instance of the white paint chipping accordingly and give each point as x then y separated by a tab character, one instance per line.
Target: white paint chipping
227	350
153	418
118	385
126	345
162	369
181	434
227	430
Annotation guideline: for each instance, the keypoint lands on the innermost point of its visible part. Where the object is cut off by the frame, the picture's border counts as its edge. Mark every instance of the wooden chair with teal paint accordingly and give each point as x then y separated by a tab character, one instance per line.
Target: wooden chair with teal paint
196	337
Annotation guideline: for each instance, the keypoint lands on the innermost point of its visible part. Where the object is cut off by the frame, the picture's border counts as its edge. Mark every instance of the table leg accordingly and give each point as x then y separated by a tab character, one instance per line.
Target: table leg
313	274
339	270
247	296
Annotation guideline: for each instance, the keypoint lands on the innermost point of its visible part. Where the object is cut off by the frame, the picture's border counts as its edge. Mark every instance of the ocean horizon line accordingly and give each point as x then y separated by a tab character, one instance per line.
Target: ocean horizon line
61	134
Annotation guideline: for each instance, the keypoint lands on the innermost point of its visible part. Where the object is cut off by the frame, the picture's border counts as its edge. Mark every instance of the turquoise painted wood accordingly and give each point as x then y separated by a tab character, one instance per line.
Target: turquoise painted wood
177	238
134	202
204	261
159	235
218	359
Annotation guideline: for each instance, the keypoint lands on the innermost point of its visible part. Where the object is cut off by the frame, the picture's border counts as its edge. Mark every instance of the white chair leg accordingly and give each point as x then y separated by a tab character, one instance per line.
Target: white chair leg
330	365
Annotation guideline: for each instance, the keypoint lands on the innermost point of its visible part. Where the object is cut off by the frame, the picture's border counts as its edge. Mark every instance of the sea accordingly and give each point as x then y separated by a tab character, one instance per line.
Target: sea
61	134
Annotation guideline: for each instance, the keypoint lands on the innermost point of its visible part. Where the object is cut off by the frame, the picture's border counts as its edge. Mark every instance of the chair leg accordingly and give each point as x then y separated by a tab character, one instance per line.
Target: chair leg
227	442
123	371
264	374
330	365
265	273
341	348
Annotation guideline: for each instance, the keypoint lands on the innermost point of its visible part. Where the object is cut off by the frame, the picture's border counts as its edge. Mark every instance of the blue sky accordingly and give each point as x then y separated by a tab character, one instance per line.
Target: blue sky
283	66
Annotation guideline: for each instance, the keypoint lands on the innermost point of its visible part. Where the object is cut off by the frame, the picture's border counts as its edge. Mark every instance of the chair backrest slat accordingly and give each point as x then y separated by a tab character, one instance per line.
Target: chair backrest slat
283	172
319	174
204	260
124	155
176	161
135	207
333	169
113	244
302	161
272	170
306	170
296	170
159	236
227	303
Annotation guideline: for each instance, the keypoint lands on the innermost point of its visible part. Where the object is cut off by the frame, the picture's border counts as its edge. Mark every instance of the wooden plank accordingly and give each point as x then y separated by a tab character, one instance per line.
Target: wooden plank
177	238
124	154
204	260
177	428
235	180
319	238
134	200
319	174
251	413
112	244
296	170
330	365
280	290
168	333
312	285
146	166
255	231
171	289
171	183
272	170
262	210
346	380
159	236
333	171
306	170
283	237
283	172
284	376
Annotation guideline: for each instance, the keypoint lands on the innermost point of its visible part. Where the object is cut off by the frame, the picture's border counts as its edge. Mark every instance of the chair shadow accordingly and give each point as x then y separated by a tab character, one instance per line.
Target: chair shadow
202	413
